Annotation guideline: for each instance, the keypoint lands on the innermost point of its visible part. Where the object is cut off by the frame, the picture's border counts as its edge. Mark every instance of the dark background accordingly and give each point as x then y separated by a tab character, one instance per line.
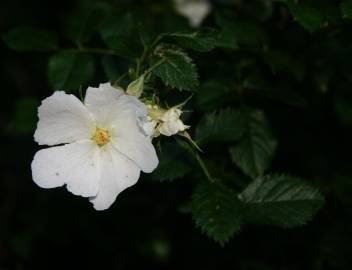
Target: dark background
52	229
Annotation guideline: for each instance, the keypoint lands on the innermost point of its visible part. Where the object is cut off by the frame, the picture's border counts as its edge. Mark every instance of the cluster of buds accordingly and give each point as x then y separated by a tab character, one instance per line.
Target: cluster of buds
165	121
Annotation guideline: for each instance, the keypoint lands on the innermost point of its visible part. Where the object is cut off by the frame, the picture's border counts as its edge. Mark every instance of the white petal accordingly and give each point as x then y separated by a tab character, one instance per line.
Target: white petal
125	116
62	119
129	139
149	127
171	115
75	164
101	101
117	174
169	128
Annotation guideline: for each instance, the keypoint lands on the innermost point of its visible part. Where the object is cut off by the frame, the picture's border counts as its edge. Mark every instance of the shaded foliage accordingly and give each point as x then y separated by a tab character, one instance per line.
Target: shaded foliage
271	98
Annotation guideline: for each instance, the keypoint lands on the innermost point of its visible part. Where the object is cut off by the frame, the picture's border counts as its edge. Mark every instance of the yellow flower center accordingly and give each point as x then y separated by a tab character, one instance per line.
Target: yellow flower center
101	137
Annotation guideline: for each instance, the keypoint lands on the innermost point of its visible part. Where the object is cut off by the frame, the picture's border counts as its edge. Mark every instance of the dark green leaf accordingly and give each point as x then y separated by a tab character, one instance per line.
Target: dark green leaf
227	40
202	40
31	39
280	200
175	68
213	94
279	61
225	125
81	26
120	33
217	211
236	33
255	150
310	18
346	9
70	70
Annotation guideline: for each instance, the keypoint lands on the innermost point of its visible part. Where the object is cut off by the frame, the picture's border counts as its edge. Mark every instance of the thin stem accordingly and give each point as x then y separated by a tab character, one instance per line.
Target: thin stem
204	168
154	66
120	78
201	163
145	54
140	61
156	41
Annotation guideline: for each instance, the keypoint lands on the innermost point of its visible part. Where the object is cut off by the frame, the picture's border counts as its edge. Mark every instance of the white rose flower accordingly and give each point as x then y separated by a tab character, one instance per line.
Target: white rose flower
171	123
194	10
104	146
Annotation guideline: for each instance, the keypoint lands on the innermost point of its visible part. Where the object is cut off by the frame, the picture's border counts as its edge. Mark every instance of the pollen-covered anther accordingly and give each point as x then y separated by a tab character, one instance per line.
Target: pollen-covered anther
101	136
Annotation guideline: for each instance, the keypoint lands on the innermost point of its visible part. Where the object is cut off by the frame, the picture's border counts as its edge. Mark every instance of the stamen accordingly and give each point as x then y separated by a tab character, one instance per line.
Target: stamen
101	137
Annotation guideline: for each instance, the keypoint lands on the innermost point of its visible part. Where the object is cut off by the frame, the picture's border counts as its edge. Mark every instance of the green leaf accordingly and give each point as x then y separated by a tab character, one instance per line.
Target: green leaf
175	68
216	210
238	33
173	164
227	40
30	39
202	40
225	125
82	25
310	18
346	9
280	200
213	94
120	33
255	150
70	70
279	61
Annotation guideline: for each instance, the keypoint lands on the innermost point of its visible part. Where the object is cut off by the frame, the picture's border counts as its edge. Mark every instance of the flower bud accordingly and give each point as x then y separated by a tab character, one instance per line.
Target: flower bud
135	88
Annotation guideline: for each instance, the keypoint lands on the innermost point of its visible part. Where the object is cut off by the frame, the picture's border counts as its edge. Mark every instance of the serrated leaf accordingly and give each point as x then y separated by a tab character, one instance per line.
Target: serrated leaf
225	125
216	211
255	150
280	200
346	9
82	25
70	70
120	33
31	39
202	40
176	69
173	163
